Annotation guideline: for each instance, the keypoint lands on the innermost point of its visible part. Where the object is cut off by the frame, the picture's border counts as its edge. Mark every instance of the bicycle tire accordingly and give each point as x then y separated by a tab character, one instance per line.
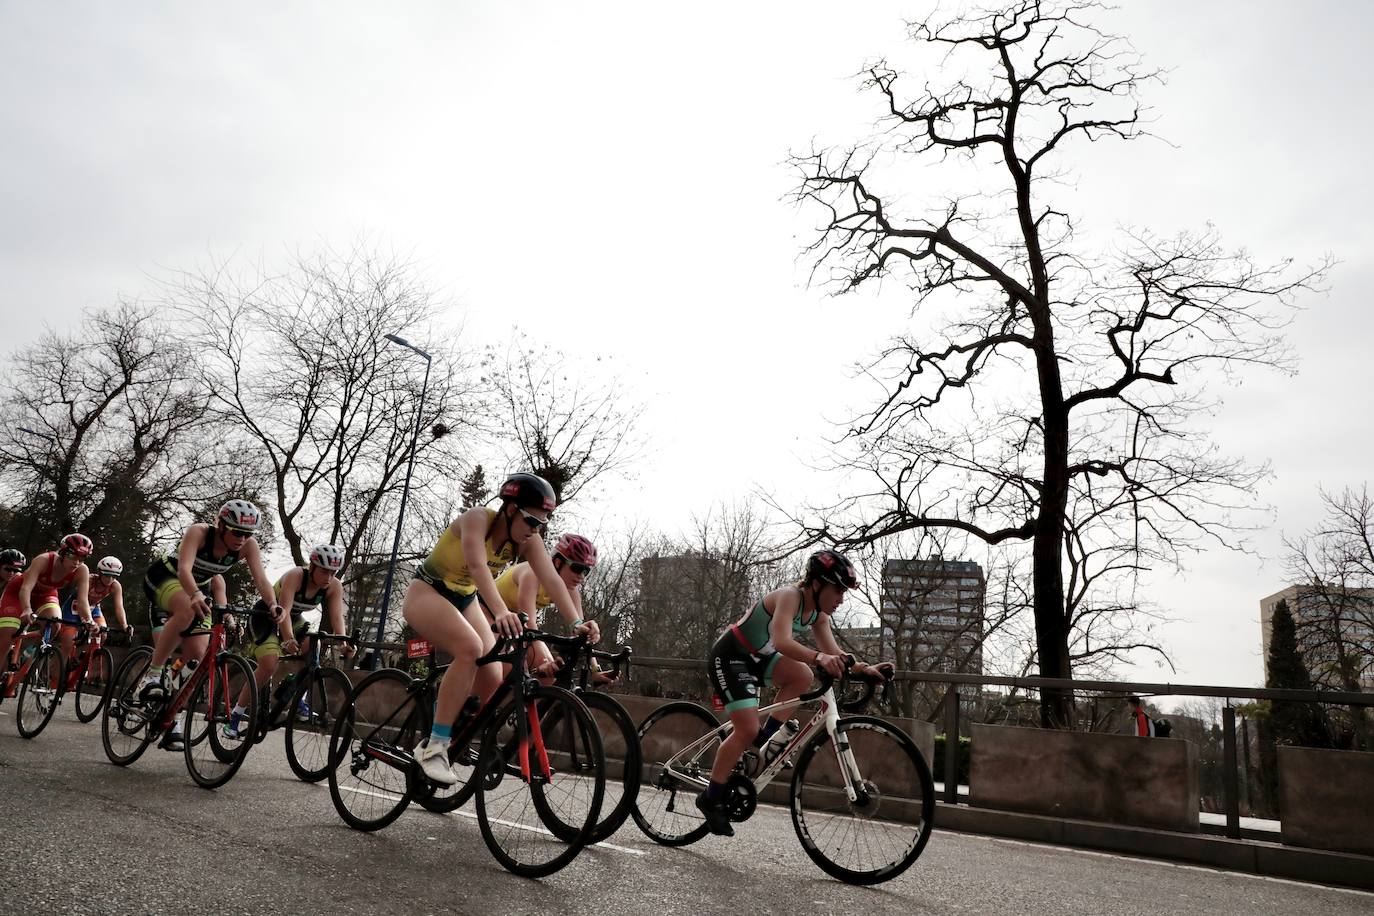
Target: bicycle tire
355	776
620	747
906	789
326	692
41	689
214	698
126	720
94	685
515	815
658	808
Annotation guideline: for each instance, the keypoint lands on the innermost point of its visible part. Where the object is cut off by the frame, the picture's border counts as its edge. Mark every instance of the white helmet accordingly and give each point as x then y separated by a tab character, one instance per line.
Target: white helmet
327	556
109	566
240	515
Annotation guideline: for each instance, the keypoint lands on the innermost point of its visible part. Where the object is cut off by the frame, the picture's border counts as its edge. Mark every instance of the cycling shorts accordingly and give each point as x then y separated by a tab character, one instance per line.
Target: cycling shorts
456	599
736	674
199	627
264	638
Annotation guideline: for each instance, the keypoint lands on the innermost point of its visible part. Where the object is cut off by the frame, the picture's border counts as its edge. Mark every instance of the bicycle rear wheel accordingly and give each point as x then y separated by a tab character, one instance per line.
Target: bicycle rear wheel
213	757
94	685
620	746
321	695
877	837
40	691
665	806
129	726
539	799
371	750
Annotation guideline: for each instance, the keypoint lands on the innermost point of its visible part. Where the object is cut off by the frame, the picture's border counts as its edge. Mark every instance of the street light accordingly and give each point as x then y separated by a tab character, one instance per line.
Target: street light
405	492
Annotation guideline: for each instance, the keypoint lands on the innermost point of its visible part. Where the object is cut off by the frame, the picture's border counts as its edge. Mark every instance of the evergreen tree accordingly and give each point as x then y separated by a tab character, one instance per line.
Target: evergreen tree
475	491
1301	724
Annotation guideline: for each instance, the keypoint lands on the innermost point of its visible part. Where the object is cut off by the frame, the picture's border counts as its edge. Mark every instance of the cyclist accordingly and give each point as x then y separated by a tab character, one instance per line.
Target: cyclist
12	563
306	588
175	586
105	585
442	602
573	557
36	590
761	649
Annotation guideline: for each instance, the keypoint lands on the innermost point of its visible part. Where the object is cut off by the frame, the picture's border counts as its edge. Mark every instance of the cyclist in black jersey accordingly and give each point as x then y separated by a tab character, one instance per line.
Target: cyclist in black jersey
301	590
175	586
760	650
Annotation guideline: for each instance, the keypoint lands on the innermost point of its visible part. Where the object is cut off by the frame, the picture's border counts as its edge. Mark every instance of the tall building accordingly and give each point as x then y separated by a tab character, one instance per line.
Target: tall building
1328	619
932	614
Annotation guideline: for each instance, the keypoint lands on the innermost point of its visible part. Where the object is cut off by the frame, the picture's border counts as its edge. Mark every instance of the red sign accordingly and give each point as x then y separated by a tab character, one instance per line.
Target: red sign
418	648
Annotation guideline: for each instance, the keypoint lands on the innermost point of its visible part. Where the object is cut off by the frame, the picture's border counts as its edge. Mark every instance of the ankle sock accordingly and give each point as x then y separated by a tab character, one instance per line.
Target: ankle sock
770	728
441	734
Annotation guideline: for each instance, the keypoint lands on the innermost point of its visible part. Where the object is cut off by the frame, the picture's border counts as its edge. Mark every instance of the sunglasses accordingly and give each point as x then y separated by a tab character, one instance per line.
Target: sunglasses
237	533
12	569
108	577
580	568
534	522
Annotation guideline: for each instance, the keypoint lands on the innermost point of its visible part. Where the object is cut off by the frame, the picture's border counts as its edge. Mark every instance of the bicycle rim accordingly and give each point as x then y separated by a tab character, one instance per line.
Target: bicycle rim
213	757
878	837
371	749
318	700
620	746
665	805
94	685
538	799
39	692
128	726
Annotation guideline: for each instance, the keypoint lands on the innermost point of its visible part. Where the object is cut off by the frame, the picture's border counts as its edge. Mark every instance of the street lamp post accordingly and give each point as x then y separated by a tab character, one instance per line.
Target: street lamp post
405	492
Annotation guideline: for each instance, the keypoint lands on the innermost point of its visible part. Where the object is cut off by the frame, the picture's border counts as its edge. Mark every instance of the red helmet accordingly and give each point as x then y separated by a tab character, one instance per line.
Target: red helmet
574	548
77	545
833	567
529	491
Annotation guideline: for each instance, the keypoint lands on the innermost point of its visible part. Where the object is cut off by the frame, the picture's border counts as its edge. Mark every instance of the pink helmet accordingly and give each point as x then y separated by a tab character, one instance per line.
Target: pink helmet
76	545
574	548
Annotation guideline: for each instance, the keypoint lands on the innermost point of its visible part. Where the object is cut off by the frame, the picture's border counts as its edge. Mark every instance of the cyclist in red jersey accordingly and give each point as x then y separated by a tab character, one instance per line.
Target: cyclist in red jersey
12	563
36	590
104	585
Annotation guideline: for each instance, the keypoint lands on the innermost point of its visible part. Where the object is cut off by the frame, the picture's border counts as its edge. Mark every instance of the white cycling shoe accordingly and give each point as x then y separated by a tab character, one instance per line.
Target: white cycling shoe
433	760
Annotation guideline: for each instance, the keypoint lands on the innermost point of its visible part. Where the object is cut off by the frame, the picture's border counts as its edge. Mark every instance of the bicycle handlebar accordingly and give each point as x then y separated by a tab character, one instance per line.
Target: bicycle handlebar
871	683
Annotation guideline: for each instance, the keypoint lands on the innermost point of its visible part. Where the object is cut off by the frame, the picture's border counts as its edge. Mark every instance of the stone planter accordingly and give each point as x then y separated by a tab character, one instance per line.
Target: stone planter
1326	799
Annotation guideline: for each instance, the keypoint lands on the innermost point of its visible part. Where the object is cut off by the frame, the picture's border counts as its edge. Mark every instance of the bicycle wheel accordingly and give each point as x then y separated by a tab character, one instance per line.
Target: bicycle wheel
212	757
665	806
320	696
40	691
877	837
620	745
371	759
554	780
128	726
94	684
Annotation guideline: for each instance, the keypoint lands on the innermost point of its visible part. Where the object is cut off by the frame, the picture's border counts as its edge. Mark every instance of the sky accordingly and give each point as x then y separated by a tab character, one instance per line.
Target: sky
611	178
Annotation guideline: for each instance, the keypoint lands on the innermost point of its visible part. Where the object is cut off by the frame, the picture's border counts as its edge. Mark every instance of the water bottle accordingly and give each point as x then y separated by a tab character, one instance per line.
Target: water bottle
781	738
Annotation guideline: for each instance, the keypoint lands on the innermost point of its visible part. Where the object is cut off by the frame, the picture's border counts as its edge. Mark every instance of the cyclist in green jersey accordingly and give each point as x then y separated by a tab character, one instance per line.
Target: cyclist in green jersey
760	650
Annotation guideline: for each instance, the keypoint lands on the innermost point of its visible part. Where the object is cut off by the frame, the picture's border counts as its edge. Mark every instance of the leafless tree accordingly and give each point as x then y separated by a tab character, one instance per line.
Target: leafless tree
1065	387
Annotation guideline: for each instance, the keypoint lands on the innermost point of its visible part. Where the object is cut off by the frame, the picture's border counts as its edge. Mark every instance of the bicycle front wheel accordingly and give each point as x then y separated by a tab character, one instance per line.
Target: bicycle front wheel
213	753
129	726
39	692
876	836
371	750
320	696
665	805
92	689
621	747
539	796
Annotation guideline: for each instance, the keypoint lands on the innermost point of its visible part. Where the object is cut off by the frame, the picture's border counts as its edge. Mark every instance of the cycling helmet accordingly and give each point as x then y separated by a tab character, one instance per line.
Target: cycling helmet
574	548
109	566
76	545
833	567
12	557
240	515
528	491
327	556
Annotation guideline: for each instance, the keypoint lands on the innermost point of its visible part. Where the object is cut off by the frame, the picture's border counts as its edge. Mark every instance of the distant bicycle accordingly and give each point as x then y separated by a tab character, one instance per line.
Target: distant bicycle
862	797
35	672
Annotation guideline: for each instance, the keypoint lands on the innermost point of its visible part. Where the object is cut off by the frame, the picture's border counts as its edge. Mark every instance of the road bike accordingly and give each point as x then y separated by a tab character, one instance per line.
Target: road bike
861	795
35	672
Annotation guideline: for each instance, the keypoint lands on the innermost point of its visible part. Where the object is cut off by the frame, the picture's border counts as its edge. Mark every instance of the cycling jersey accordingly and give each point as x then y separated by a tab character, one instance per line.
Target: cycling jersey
509	590
743	656
43	598
262	628
162	580
446	563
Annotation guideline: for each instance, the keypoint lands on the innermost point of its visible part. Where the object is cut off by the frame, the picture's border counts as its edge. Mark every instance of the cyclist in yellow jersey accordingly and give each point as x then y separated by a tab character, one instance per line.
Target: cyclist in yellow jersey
573	557
443	603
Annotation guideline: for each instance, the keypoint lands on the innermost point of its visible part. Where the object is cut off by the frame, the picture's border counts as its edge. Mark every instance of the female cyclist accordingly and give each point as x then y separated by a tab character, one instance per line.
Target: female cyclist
761	649
573	557
175	587
105	585
442	602
36	590
12	563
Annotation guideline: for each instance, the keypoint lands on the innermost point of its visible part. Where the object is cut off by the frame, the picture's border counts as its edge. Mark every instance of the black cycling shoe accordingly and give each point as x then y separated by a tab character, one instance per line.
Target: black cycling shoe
717	819
172	741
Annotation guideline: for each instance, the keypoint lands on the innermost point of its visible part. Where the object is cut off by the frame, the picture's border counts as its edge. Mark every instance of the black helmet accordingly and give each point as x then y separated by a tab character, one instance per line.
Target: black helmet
11	557
528	491
833	567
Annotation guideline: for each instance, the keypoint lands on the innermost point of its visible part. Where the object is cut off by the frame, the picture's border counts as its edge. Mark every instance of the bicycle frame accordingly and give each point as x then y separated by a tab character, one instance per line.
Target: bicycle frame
39	630
216	645
88	643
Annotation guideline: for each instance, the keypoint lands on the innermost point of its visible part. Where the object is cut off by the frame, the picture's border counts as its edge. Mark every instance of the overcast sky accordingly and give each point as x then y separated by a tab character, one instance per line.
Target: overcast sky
610	176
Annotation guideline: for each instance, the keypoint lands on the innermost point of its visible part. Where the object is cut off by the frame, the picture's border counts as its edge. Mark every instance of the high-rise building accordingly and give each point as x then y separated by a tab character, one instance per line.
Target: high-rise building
932	614
1329	620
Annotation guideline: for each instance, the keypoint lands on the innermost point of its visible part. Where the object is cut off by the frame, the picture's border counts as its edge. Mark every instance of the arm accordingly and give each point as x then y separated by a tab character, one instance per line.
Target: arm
826	640
289	583
786	605
471	526
334	607
538	556
541	661
191	541
117	594
80	601
36	568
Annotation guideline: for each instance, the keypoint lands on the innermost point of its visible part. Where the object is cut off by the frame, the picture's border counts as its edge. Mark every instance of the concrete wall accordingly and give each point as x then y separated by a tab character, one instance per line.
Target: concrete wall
1143	782
1326	799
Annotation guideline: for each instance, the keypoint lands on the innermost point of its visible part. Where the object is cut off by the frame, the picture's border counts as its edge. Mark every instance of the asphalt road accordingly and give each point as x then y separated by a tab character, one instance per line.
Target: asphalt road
83	836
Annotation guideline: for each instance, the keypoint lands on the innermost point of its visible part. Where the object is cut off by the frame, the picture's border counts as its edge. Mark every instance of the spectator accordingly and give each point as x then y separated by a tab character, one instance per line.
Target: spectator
1142	726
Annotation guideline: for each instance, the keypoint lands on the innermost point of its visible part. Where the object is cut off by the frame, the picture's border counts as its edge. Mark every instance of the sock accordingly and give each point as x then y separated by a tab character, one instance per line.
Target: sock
239	711
154	672
714	791
441	734
770	728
